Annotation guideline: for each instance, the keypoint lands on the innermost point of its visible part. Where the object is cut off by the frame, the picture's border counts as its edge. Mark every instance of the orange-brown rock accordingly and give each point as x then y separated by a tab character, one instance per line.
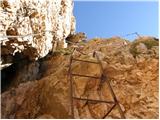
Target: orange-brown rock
133	76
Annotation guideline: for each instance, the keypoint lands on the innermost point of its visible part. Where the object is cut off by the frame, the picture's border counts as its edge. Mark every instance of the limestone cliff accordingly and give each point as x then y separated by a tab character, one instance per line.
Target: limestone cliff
41	25
131	67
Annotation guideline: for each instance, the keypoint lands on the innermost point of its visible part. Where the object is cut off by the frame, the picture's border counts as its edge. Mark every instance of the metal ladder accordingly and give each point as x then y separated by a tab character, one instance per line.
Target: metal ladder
102	79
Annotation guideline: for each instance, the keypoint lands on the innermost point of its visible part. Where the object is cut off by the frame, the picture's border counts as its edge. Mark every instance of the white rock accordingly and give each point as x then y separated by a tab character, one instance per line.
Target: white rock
26	17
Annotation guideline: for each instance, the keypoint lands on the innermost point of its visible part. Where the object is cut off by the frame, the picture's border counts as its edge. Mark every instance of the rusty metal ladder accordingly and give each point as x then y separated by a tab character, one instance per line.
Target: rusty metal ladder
102	79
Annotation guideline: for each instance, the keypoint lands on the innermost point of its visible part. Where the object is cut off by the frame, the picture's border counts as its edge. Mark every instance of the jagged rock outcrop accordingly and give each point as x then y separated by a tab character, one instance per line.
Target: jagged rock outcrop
132	73
75	38
40	24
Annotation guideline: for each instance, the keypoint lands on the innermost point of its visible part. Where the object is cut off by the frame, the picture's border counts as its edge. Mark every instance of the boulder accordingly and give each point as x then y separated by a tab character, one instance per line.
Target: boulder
141	48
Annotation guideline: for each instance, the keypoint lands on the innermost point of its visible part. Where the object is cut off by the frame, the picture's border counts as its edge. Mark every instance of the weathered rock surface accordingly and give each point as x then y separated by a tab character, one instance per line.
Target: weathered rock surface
41	25
35	99
133	76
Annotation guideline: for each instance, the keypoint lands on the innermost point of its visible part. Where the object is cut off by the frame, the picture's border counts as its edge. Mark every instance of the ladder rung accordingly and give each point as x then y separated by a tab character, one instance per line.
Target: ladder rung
85	61
94	100
85	76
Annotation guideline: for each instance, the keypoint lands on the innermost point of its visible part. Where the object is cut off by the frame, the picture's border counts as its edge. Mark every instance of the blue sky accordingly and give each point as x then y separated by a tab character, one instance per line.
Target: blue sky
107	19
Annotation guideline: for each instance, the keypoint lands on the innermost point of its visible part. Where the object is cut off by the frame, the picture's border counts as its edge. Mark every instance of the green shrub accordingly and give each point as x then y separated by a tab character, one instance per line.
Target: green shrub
133	50
95	39
63	51
148	43
82	43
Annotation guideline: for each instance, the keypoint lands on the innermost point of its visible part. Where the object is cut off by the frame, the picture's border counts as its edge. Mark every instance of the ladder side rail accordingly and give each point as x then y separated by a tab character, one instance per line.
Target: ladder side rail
109	85
71	88
109	111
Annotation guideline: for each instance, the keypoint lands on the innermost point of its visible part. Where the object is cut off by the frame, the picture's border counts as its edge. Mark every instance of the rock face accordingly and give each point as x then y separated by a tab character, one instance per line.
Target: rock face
132	73
37	99
41	25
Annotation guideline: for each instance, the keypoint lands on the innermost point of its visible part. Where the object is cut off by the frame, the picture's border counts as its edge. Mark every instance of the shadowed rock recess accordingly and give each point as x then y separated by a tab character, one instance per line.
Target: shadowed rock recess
40	88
